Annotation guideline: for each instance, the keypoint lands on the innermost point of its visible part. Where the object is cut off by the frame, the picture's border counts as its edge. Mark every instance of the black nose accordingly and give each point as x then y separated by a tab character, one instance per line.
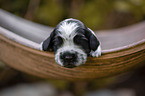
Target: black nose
69	57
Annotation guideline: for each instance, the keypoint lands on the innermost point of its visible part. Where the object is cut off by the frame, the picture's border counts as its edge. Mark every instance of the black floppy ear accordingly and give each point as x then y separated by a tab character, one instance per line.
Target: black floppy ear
47	45
93	41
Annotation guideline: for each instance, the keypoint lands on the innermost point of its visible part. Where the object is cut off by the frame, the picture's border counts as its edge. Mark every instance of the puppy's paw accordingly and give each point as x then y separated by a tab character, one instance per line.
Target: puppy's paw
96	53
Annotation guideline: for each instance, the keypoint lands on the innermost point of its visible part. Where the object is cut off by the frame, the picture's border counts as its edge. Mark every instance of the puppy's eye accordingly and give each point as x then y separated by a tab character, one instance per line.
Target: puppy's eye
80	40
81	37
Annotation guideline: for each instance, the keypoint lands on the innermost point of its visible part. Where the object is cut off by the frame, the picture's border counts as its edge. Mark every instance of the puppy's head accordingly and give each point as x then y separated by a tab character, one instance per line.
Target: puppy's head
72	42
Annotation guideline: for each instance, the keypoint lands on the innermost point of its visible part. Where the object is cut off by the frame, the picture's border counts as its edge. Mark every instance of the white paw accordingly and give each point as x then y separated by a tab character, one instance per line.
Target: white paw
96	53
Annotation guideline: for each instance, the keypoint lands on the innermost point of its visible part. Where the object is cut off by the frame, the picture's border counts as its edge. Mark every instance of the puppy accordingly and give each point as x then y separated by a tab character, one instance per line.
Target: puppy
72	42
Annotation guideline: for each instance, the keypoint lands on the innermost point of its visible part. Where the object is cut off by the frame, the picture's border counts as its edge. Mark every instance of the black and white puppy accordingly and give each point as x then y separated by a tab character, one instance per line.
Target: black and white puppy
72	42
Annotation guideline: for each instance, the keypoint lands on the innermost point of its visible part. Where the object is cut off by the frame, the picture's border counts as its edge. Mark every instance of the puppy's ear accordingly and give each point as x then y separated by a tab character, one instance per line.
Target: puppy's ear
94	44
93	41
47	45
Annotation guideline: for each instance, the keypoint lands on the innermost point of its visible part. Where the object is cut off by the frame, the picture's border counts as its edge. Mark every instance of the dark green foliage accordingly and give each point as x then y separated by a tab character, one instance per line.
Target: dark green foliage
96	14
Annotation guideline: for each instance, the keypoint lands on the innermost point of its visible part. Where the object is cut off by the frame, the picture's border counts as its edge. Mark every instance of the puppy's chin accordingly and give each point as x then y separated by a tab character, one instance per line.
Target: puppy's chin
69	65
80	59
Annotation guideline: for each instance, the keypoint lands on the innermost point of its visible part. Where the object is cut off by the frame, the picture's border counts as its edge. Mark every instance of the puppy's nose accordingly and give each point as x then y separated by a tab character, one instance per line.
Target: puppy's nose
69	57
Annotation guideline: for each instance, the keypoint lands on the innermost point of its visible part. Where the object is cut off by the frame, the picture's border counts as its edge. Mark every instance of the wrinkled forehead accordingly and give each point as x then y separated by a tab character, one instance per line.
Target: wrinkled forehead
69	28
69	21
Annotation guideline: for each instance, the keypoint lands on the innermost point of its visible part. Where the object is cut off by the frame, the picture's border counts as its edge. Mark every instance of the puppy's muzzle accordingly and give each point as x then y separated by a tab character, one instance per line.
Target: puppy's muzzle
69	59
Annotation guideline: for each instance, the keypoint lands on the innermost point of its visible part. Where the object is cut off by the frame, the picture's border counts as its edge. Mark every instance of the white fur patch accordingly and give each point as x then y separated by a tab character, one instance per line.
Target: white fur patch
96	53
67	30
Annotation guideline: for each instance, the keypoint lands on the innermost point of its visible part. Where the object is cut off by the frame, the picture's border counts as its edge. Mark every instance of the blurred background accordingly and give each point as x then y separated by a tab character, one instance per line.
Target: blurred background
97	15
